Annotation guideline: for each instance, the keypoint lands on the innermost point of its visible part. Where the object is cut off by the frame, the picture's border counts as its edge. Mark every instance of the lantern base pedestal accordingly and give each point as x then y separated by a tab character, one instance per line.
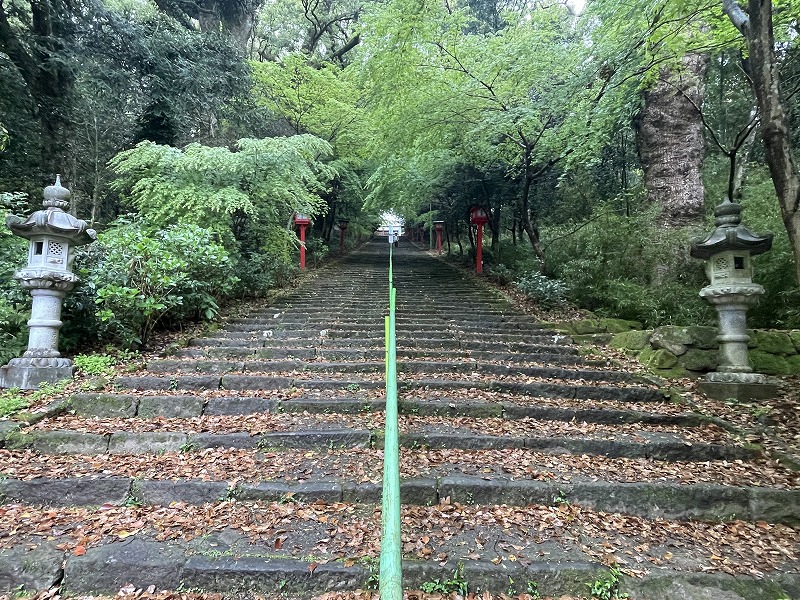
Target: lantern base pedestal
30	373
743	387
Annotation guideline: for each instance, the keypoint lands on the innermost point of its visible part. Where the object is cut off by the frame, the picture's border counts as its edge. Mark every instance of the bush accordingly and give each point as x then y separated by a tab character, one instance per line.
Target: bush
628	267
547	292
134	281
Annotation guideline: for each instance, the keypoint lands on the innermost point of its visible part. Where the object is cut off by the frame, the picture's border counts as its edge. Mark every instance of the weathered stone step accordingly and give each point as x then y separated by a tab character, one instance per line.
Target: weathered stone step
649	445
227	562
239	382
187	406
403	366
653	500
552	390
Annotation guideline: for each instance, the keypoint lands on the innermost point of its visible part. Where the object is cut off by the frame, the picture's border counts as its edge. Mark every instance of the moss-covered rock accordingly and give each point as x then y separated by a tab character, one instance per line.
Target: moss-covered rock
598	339
794	364
672	338
585	326
618	325
699	360
631	340
769	364
704	338
794	335
560	327
674	373
775	342
658	358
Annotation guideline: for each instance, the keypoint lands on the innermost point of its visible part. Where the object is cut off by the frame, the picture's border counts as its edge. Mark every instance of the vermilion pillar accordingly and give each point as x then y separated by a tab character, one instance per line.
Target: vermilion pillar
302	221
478	216
439	226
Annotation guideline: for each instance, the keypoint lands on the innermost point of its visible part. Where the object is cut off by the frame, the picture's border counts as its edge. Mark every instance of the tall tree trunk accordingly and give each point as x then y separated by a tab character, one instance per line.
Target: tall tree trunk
756	26
670	142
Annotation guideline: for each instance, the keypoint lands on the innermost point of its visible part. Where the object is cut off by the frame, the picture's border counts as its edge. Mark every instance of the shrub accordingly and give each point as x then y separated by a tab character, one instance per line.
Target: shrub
134	281
547	292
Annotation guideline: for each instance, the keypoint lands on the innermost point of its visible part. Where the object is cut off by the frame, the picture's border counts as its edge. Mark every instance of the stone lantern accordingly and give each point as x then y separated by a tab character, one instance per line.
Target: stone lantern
727	251
53	235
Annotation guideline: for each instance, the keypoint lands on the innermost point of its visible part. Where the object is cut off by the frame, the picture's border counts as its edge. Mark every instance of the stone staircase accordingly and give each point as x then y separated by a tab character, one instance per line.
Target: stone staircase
249	463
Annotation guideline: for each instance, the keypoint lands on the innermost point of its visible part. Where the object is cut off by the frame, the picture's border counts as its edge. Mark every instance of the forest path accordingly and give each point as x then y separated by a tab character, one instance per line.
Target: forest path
250	462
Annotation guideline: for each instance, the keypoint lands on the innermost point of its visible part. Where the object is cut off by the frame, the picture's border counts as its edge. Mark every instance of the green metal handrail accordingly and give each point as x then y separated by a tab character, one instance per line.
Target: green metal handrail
390	576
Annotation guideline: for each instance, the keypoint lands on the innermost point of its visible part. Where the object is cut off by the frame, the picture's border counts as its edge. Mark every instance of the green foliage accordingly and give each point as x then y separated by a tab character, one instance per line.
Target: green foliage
628	267
547	292
95	364
139	280
606	587
456	583
13	400
267	180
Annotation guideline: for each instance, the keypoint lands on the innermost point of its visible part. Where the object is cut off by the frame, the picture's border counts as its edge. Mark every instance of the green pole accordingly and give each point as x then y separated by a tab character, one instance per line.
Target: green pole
390	576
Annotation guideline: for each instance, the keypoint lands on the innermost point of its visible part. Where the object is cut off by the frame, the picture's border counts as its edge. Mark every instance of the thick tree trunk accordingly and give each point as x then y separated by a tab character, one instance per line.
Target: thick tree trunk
670	142
756	26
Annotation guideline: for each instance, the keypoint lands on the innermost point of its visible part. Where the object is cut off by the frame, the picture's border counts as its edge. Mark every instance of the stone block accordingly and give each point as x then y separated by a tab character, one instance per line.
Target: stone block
658	359
775	506
743	392
63	442
73	491
672	338
632	340
618	325
138	562
171	407
29	569
793	362
768	364
239	406
774	342
794	335
163	493
104	405
146	443
699	360
585	326
703	338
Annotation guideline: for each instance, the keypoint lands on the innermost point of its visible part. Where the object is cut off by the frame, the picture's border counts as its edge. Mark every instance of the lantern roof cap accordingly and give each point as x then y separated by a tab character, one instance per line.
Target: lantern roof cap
52	220
730	234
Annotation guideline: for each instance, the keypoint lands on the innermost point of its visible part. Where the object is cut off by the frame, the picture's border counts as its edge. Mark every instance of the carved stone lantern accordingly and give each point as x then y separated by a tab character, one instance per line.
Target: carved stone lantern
439	227
478	216
53	235
727	251
302	221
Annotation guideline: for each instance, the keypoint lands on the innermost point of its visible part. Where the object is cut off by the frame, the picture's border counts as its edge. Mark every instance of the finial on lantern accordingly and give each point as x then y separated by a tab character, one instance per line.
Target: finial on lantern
56	196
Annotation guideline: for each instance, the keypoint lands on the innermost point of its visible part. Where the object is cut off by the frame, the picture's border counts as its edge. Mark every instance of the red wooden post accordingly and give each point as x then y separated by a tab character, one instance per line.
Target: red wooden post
302	221
439	225
478	216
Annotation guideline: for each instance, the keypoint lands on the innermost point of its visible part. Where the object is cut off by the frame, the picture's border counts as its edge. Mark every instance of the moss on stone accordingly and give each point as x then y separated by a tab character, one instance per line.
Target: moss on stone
631	340
794	364
600	339
699	360
794	335
775	342
672	338
704	338
617	325
674	373
658	358
585	326
768	364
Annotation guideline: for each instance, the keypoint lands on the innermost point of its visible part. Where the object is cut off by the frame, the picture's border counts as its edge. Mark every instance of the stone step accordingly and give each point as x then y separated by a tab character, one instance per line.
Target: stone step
106	405
258	556
375	366
656	500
